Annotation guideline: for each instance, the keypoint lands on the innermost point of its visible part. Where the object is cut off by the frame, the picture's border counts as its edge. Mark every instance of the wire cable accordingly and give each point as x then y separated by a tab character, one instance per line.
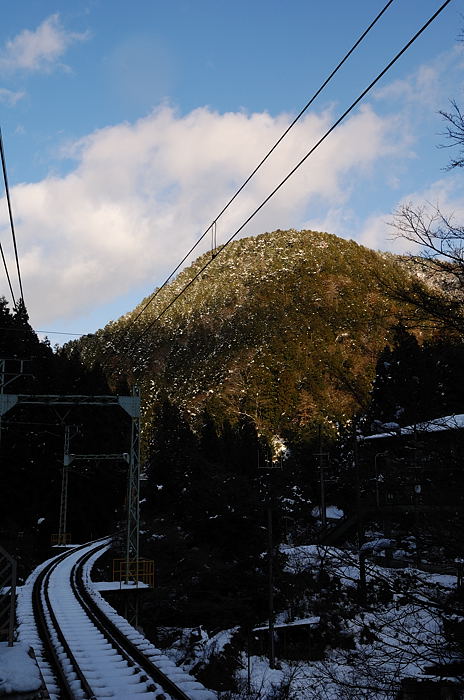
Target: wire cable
62	333
32	330
10	212
289	175
212	226
8	276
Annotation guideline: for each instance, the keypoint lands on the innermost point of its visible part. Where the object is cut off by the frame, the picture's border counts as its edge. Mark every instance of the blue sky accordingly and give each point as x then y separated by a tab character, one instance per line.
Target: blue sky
127	126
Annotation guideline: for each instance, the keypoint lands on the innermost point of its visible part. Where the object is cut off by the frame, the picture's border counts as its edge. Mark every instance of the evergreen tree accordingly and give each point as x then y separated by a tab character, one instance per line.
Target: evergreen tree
400	383
416	382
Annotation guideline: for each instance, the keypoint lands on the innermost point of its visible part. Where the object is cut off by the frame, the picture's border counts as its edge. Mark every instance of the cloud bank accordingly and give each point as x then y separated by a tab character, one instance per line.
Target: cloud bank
140	194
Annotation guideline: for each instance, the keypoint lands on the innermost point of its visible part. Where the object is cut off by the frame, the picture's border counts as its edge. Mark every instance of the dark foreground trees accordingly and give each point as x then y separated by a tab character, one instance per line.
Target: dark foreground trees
32	442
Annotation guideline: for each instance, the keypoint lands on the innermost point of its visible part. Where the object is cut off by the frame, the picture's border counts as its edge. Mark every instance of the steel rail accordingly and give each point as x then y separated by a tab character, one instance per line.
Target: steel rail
55	643
42	606
116	637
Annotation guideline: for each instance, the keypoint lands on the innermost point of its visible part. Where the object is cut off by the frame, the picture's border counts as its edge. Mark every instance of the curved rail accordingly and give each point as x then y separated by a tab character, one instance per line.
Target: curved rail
47	625
117	638
87	653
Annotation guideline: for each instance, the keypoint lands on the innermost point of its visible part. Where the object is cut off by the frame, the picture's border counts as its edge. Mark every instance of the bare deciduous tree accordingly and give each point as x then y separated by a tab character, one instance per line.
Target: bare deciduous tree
454	133
440	238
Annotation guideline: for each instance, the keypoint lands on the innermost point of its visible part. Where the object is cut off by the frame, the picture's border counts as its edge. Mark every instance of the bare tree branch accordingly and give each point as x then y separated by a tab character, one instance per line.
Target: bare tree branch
454	132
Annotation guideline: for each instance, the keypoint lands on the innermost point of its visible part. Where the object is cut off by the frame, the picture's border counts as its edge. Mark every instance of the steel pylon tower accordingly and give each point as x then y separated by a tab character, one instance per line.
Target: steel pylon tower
133	488
62	527
63	506
131	405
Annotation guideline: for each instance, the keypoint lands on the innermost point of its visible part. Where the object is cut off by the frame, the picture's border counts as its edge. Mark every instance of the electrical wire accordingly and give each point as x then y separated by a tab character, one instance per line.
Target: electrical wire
31	330
289	175
7	275
212	226
10	212
62	333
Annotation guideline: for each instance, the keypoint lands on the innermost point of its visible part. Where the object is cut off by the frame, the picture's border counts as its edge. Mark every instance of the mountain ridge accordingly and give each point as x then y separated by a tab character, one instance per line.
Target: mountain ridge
284	326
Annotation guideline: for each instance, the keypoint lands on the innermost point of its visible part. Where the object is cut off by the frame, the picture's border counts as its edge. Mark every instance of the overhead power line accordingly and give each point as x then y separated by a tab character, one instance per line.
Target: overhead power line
10	212
62	333
253	173
289	175
31	330
7	275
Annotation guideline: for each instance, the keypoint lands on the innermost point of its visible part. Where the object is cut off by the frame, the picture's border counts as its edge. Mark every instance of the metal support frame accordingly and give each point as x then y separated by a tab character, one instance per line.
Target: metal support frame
133	517
64	486
98	456
63	506
9	377
133	491
68	460
19	372
131	405
7	595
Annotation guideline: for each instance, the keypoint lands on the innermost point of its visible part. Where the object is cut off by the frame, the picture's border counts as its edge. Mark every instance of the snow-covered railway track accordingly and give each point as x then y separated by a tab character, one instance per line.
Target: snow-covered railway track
57	651
81	652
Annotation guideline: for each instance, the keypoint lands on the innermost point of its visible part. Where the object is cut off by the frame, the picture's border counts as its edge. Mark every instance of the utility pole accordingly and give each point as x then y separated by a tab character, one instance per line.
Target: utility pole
62	531
271	585
416	498
322	455
133	488
361	553
268	464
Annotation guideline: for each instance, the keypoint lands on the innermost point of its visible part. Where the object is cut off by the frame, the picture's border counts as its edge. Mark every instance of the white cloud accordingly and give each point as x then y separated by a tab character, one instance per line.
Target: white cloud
377	233
444	195
340	220
40	49
141	193
427	87
10	97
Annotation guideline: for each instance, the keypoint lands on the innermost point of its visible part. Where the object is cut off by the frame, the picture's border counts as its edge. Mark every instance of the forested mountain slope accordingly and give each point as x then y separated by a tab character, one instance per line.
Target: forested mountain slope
285	327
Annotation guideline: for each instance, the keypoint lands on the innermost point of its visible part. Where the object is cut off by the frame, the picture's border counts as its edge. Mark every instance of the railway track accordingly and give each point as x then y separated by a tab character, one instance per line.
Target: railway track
83	648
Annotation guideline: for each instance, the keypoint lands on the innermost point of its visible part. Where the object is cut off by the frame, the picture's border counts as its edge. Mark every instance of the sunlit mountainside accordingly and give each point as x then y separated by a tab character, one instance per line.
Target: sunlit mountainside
285	327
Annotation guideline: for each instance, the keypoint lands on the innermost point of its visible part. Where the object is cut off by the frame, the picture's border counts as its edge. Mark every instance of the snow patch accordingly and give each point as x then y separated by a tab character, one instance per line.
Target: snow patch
18	669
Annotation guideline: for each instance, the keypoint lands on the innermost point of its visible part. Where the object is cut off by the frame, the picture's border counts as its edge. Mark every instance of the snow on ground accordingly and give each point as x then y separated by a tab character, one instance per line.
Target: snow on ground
308	621
194	646
18	669
263	680
331	512
398	637
452	422
118	585
390	640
